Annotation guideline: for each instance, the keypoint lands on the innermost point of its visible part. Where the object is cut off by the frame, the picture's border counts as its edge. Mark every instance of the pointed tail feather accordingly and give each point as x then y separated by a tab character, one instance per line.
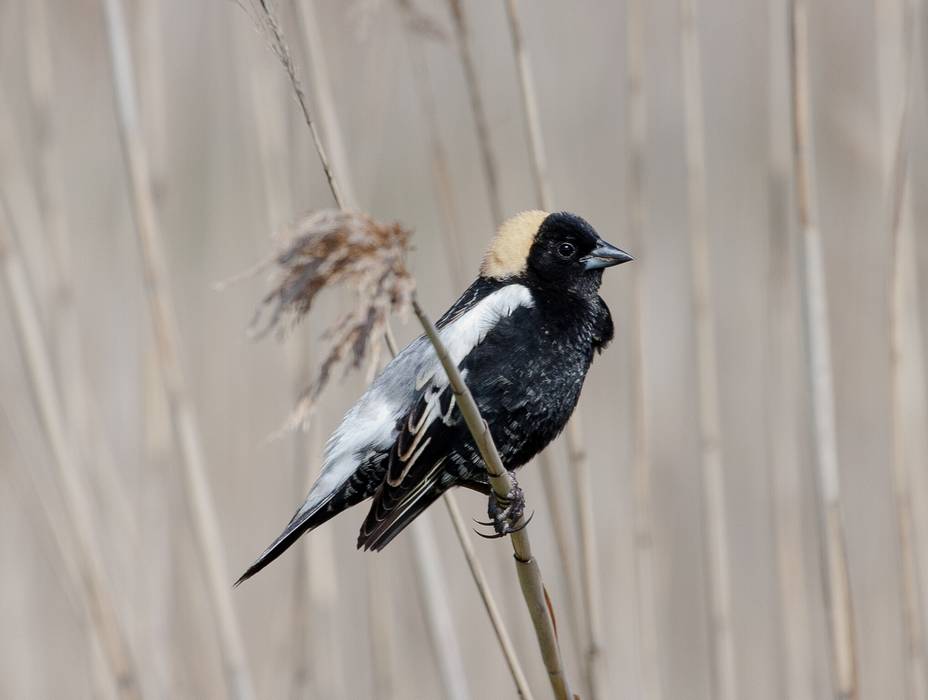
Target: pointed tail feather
301	522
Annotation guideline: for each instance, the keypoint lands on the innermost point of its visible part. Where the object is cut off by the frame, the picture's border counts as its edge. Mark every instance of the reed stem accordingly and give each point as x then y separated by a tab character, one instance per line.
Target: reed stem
718	566
836	579
167	335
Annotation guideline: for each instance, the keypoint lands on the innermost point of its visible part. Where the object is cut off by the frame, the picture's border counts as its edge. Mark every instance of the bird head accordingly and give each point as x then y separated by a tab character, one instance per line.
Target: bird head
554	250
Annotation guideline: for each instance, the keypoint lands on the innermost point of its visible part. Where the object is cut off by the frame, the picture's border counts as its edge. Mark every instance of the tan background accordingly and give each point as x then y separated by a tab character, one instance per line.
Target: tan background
203	137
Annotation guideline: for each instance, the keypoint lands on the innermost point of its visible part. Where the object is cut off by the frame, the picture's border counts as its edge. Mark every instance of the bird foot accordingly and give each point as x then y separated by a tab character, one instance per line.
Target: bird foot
505	513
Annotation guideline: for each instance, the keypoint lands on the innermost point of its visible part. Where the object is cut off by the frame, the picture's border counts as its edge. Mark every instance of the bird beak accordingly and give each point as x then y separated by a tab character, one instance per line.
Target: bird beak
604	255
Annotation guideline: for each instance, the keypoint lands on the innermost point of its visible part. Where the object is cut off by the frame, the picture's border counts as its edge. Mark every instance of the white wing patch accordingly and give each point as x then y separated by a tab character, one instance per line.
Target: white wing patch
466	332
370	425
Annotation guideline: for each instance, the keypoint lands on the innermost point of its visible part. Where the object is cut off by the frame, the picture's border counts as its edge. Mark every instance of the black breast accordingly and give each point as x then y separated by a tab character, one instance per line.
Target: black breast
527	374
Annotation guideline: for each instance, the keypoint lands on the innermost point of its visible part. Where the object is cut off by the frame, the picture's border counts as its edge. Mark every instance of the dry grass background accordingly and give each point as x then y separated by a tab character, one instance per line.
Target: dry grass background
211	90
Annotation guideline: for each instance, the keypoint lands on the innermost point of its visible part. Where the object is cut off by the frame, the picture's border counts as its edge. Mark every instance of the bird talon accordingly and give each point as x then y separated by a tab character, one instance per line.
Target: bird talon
506	511
524	524
494	536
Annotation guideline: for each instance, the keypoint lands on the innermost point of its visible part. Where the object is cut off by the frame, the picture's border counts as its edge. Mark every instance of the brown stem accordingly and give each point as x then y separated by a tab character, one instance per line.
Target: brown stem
502	484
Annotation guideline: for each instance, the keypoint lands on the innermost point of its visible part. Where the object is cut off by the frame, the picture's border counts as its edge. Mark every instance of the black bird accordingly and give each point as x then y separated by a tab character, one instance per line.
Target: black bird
523	335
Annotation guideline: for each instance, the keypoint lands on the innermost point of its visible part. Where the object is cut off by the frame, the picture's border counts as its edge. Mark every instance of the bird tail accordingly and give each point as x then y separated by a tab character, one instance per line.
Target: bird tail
380	528
300	523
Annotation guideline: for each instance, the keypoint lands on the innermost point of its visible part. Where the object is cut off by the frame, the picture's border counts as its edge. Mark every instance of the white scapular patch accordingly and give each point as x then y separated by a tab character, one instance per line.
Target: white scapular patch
466	332
371	424
508	253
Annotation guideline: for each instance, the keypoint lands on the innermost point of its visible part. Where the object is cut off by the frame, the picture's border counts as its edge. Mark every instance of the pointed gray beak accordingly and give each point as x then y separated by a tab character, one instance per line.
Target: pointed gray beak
604	255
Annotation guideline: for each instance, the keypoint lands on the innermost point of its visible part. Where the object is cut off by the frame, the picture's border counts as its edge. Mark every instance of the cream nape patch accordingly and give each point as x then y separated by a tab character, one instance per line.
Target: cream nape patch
508	253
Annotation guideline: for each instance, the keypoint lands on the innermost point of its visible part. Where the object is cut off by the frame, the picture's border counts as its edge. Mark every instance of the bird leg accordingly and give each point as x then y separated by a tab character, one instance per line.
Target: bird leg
506	512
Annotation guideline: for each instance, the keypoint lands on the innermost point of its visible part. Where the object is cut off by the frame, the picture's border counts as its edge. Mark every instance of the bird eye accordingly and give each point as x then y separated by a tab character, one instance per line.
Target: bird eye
566	250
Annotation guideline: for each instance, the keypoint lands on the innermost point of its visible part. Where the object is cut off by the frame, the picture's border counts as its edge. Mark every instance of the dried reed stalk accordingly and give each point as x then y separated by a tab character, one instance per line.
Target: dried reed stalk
63	563
326	663
502	483
81	407
63	328
445	644
576	451
306	609
902	384
431	575
488	161
836	581
164	581
783	415
540	179
438	158
149	30
445	198
489	602
97	598
167	335
271	131
433	586
325	102
264	17
635	134
718	566
563	540
478	112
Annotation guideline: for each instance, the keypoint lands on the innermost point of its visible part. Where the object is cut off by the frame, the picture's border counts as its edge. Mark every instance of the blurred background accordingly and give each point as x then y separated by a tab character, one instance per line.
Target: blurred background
230	160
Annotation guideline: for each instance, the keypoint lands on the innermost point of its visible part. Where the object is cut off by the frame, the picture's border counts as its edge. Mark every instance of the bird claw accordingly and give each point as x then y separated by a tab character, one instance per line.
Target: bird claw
494	536
512	531
506	512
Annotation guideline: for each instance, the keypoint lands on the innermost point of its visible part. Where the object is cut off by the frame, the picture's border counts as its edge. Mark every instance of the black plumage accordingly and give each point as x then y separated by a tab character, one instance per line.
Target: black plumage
526	331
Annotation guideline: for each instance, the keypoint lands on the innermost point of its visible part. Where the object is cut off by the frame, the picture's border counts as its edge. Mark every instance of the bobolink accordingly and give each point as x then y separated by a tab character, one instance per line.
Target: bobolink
523	335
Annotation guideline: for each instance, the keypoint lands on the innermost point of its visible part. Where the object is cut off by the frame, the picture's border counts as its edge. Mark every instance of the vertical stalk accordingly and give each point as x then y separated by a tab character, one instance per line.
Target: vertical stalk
782	414
271	127
446	643
488	160
445	198
168	339
906	378
160	586
718	566
305	611
430	574
97	597
332	139
489	602
576	451
540	177
442	626
64	324
836	580
438	158
635	134
380	633
502	483
478	112
81	409
326	665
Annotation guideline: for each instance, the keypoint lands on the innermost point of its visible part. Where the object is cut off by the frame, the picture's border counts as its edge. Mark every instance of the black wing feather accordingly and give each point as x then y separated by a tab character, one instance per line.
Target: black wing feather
416	475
